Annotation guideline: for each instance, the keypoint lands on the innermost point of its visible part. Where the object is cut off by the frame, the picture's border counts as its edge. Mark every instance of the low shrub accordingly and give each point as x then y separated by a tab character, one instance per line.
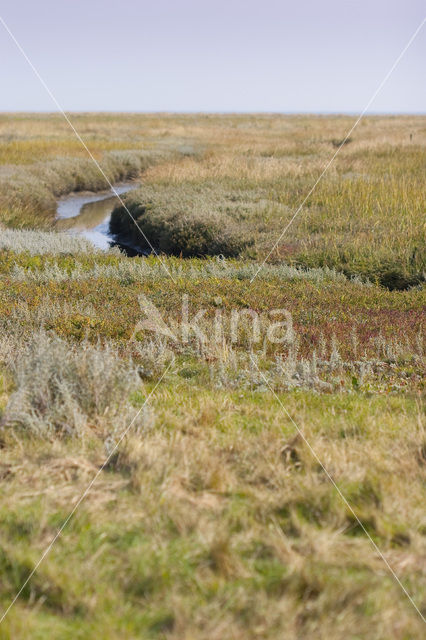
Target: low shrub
181	220
393	272
64	389
43	242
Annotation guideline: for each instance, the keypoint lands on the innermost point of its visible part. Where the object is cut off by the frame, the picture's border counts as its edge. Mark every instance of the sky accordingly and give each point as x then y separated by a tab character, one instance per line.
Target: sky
326	56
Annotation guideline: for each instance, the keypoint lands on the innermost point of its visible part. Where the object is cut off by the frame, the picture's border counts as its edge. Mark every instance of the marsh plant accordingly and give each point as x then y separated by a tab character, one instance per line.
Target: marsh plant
247	349
66	389
274	327
212	518
28	193
188	222
43	242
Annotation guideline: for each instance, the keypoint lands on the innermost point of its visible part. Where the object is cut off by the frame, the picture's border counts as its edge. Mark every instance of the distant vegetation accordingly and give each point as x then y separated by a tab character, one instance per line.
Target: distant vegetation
28	193
366	217
212	519
229	184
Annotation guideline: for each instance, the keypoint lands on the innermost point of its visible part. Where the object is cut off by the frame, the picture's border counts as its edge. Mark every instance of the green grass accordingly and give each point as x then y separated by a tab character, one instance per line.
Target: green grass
368	223
29	192
110	285
238	183
213	519
204	524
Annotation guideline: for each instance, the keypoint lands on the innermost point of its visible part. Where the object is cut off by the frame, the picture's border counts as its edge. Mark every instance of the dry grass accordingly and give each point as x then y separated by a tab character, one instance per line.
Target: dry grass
213	520
365	217
28	193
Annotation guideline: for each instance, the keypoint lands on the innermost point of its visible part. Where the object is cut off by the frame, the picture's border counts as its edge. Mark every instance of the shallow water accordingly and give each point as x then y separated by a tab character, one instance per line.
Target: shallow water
88	214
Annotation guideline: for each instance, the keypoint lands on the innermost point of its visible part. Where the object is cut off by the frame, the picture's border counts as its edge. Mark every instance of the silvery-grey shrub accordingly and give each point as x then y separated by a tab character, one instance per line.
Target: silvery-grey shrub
64	388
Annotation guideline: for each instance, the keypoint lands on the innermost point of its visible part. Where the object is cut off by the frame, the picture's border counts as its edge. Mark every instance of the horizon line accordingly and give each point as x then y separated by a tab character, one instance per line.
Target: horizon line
214	112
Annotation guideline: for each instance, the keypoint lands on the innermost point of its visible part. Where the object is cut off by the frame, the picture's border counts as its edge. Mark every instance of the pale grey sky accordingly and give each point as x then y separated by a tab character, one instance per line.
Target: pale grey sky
221	55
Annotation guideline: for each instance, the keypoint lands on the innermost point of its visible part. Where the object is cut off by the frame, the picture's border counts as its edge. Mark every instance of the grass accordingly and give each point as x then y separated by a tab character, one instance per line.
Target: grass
367	223
245	174
213	519
214	522
28	193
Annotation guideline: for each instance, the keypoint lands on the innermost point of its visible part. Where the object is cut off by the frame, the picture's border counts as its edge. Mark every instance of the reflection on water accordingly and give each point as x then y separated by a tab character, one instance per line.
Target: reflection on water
89	214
